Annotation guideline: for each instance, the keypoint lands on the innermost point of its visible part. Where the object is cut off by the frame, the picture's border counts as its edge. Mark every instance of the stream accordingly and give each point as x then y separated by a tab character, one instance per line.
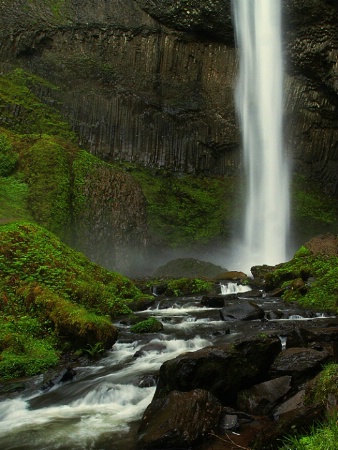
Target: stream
102	406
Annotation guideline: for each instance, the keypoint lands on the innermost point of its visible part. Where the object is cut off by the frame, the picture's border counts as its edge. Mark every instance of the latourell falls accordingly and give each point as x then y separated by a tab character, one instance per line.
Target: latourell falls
168	224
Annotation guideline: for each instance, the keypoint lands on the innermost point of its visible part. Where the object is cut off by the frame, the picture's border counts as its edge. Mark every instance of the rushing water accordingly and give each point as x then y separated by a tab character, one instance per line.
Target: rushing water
260	108
101	407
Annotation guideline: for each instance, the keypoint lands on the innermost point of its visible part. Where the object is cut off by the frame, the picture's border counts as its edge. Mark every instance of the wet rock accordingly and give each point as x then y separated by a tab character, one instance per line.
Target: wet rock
229	422
231	275
142	304
325	244
277	314
212	301
242	310
261	398
293	403
300	363
300	419
147	381
179	420
221	370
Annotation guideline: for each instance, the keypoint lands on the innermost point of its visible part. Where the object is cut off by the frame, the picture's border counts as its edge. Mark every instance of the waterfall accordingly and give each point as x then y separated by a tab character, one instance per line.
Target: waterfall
260	108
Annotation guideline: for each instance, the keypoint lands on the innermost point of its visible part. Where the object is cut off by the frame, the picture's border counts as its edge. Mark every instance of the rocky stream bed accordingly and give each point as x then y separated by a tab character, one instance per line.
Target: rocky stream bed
227	371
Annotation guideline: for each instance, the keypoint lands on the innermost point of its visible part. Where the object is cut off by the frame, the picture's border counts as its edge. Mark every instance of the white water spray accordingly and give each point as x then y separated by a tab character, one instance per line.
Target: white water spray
260	108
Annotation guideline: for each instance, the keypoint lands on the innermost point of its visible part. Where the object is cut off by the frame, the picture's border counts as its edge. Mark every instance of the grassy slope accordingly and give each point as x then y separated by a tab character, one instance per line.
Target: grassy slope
52	299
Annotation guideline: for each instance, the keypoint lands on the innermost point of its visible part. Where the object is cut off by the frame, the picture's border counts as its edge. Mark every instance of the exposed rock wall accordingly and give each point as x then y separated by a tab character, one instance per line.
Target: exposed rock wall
152	81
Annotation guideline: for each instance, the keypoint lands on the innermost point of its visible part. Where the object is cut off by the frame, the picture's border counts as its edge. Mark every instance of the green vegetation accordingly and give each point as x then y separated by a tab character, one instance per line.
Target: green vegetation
325	386
35	117
186	286
8	157
323	436
309	201
186	209
150	325
47	173
53	299
320	292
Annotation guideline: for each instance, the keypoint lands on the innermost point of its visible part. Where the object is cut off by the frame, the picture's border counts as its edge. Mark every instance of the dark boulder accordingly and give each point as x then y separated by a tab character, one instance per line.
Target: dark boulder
242	310
261	398
221	370
301	363
179	420
212	301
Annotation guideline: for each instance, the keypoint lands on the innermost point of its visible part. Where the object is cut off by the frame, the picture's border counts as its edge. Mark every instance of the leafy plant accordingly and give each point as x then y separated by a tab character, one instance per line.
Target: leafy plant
322	436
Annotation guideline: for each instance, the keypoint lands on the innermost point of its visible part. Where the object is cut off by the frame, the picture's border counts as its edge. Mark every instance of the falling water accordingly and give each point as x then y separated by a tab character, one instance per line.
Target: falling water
260	107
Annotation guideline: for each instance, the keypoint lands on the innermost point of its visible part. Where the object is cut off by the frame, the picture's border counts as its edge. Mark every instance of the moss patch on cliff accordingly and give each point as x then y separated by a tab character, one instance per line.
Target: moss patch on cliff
310	201
23	112
56	292
47	172
186	209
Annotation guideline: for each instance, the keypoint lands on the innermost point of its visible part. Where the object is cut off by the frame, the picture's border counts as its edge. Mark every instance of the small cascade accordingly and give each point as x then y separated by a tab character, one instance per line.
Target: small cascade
283	340
233	288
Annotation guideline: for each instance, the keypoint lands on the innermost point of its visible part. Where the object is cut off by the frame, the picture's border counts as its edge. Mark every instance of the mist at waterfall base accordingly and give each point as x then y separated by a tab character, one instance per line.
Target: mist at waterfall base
260	110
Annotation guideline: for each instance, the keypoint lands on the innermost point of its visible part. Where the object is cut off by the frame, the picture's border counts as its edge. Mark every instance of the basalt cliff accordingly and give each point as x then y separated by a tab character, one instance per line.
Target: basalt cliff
152	81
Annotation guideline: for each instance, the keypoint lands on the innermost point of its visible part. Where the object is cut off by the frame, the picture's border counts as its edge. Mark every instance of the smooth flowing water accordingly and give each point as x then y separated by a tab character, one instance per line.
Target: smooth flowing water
260	108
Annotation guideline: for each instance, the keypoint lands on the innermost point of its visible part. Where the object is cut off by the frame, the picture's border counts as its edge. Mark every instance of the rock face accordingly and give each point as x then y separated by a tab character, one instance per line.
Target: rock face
251	386
179	420
152	81
111	227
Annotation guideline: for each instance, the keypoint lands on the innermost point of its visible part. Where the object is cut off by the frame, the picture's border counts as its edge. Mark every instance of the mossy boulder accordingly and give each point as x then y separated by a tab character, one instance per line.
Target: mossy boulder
188	267
150	325
310	278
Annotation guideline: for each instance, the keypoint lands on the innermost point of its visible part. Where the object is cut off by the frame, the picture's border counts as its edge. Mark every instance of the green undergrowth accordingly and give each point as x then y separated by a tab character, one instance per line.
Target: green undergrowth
187	286
309	279
310	202
186	209
323	435
53	299
23	112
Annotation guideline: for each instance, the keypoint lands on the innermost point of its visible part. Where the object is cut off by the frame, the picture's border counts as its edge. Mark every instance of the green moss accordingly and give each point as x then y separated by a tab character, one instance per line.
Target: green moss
322	436
68	300
325	386
186	209
47	173
14	194
8	157
23	112
26	349
186	286
150	325
311	202
321	292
